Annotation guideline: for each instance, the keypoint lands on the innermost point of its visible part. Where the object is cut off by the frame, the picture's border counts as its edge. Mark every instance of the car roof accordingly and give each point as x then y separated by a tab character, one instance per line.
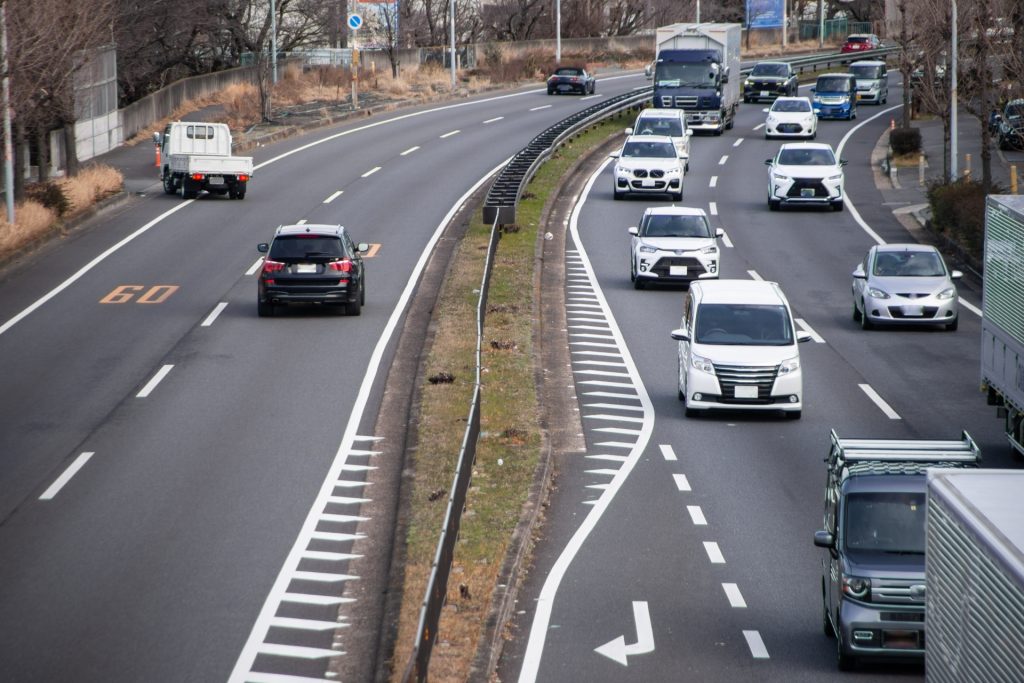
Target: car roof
738	292
786	98
650	138
325	229
828	75
771	61
905	247
805	145
868	62
662	113
674	211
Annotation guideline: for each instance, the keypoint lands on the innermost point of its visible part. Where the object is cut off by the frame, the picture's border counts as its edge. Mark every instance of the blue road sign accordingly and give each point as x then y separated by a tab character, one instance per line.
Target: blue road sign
354	21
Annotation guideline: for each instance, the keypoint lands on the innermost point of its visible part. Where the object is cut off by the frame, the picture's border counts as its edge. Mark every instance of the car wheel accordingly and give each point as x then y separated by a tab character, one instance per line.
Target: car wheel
690	412
746	100
676	196
838	205
617	196
856	313
865	321
264	309
951	327
814	134
632	269
550	91
638	283
766	136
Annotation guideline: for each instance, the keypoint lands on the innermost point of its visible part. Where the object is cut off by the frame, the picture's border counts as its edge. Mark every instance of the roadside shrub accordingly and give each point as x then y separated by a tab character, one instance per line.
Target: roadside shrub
905	141
92	184
32	220
493	55
958	211
50	195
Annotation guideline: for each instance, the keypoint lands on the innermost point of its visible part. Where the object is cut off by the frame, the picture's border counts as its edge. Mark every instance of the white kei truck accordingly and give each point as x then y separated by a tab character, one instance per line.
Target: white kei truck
197	156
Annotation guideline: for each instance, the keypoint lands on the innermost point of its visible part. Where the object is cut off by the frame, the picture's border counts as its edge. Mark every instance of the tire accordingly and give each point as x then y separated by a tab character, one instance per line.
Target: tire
187	190
617	196
746	100
856	313
362	291
814	135
729	124
690	412
169	186
680	394
838	206
638	283
354	307
676	196
264	309
865	322
951	327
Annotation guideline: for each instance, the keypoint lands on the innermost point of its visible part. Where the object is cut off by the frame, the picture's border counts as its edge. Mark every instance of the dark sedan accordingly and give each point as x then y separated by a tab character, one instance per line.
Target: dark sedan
571	79
768	80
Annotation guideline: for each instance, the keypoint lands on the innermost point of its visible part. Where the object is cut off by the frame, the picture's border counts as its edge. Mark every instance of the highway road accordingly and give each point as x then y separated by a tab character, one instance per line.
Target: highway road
681	549
188	492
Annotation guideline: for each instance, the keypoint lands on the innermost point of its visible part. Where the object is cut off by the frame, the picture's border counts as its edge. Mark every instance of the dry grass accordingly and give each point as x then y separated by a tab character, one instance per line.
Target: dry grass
32	220
92	184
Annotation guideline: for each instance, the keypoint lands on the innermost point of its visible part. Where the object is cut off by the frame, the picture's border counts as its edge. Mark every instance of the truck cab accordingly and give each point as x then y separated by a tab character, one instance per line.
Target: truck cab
873	578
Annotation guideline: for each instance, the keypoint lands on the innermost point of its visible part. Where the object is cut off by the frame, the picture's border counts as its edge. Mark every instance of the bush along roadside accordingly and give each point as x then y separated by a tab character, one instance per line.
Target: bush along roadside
508	450
958	213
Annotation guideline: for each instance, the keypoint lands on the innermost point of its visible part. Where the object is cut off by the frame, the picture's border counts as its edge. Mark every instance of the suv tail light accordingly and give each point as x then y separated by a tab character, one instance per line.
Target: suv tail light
272	267
342	266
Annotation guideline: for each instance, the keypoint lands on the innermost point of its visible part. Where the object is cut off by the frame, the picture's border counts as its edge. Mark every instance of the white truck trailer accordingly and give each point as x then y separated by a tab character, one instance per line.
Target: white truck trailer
974	561
697	68
1002	322
197	156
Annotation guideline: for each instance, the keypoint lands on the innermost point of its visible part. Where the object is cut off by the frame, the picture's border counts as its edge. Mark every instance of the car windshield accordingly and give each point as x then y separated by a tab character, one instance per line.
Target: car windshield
817	156
770	70
865	71
651	125
789	106
743	325
304	247
888	522
1014	111
660	150
908	264
832	84
674	75
675	226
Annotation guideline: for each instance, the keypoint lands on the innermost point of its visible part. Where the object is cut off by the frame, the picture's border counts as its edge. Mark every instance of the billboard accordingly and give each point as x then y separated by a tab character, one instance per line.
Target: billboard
765	13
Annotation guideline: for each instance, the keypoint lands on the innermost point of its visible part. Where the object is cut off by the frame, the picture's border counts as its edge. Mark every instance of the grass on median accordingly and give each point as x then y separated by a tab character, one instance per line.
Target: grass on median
510	439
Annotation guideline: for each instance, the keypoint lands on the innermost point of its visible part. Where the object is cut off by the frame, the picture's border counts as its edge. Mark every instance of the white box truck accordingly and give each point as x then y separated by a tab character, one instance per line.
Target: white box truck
1002	322
697	68
197	156
974	605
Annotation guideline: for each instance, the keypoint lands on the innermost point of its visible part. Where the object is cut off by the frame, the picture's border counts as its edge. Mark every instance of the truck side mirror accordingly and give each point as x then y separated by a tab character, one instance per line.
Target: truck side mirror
725	75
824	539
648	72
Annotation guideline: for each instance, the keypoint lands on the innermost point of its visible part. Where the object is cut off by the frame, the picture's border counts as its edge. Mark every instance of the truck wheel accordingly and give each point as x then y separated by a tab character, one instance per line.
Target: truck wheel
239	191
188	189
169	186
729	123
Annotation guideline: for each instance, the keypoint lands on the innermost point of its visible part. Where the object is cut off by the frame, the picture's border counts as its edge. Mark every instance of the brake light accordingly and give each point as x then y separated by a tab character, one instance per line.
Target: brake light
243	178
272	267
197	176
575	79
342	266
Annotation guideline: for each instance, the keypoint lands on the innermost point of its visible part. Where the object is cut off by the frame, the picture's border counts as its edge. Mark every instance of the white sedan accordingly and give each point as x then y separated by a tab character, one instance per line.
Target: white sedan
791	117
673	244
805	173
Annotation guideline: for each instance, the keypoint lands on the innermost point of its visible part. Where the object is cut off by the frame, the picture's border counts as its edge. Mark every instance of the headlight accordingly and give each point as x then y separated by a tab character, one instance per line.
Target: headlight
648	249
877	293
856	587
711	250
780	178
747	82
702	364
947	293
789	365
835	177
771	119
672	171
844	98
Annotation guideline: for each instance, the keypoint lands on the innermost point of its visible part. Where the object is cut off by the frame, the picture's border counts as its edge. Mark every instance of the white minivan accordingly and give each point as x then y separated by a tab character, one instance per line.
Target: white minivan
738	349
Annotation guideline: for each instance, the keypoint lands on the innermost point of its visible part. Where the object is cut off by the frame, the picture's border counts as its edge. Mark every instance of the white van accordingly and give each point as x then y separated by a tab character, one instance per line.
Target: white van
670	123
738	349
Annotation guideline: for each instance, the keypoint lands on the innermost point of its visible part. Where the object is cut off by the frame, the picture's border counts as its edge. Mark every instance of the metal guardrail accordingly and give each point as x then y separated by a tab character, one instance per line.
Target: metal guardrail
815	62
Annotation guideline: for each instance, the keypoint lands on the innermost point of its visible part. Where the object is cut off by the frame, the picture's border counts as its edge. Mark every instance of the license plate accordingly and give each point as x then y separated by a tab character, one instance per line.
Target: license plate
913	311
765	93
806	191
744	391
305	268
677	270
646	183
216	180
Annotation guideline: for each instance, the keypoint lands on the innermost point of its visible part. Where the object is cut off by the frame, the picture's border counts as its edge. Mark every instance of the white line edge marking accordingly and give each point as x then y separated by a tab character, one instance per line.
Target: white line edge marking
151	384
370	172
667	452
66	475
450	133
713	182
756	645
732	592
682	483
697	515
334	196
545	601
496	118
409	151
713	208
254	267
818	339
880	402
246	659
714	552
753	274
969	306
217	310
738	142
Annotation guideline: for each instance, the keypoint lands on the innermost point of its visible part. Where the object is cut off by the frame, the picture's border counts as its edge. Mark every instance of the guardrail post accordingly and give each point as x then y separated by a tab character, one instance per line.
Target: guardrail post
1013	179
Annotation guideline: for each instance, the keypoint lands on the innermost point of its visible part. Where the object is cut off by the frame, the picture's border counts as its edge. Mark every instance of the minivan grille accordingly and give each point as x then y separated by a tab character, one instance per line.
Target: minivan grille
731	376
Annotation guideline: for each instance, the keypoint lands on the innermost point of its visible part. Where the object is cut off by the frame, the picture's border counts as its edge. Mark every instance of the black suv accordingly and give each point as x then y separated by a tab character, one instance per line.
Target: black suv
316	264
1008	127
768	80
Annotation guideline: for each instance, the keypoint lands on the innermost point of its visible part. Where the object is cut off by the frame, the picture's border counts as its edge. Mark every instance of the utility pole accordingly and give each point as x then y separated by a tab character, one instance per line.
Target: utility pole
821	24
8	147
273	39
785	23
952	104
558	31
451	29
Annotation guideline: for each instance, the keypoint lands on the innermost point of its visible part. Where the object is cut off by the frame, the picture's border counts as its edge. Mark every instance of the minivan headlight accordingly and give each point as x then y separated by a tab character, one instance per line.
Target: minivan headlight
702	364
856	587
789	365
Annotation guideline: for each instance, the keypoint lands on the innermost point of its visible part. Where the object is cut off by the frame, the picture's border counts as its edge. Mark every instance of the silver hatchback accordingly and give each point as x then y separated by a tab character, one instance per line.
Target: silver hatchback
905	284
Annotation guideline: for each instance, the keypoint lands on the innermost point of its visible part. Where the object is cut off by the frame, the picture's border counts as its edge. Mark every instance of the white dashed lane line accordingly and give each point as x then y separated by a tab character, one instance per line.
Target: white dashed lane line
333	196
713	208
809	330
738	143
714	181
759	126
589	97
214	313
753	274
302	222
880	402
65	477
371	172
756	645
697	515
726	241
546	106
682	483
496	118
714	552
725	158
409	151
450	133
151	384
667	452
732	592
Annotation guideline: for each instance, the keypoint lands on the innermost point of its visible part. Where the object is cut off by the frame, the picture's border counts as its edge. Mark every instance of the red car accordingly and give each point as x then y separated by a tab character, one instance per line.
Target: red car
859	42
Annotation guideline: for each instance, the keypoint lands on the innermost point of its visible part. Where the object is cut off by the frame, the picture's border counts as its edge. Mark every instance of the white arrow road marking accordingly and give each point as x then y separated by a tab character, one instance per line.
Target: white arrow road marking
618	651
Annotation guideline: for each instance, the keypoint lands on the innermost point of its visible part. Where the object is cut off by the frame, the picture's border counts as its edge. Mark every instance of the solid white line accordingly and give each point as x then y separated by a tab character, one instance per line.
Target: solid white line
213	314
880	402
254	267
65	477
448	135
409	151
754	275
546	106
810	330
725	158
756	645
667	452
760	126
496	118
713	206
726	241
714	552
151	384
299	651
370	172
732	592
697	515
307	624
737	143
282	678
682	483
545	601
849	202
590	97
334	196
714	181
87	267
280	588
970	307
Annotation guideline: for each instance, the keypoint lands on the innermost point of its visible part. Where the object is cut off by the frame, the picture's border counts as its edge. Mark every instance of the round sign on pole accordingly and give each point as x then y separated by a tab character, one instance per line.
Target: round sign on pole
354	21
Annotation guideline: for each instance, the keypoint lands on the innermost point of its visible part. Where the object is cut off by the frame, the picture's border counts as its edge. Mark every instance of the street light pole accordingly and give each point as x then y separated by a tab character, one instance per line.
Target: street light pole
952	105
273	39
451	35
698	11
8	147
558	31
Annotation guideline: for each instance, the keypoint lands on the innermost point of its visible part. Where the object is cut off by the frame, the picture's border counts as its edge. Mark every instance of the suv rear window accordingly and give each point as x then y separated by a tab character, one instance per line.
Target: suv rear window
657	125
306	248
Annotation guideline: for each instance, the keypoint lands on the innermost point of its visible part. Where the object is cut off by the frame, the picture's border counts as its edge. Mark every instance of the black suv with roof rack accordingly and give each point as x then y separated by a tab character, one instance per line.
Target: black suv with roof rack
873	579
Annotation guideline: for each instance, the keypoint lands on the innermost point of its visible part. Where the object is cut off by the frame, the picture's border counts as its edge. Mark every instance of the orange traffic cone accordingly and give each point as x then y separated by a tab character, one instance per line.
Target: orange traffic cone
157	164
892	126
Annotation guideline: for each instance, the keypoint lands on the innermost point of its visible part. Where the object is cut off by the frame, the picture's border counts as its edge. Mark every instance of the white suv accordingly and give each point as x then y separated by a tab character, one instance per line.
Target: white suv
805	173
673	244
668	122
648	164
738	349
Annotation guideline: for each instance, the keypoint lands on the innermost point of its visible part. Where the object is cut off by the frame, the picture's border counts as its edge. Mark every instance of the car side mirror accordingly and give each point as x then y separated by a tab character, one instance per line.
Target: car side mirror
824	539
719	232
802	337
362	247
766	110
614	155
858	273
632	230
680	335
263	247
814	89
687	133
629	131
956	274
843	162
768	162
